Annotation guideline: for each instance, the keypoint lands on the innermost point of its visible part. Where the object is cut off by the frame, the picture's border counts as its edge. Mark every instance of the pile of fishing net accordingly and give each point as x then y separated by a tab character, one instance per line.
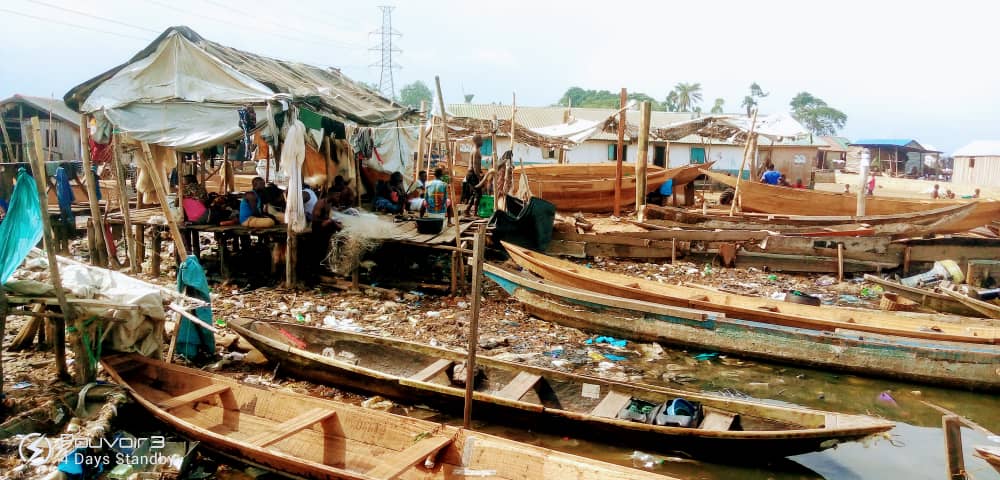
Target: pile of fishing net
360	233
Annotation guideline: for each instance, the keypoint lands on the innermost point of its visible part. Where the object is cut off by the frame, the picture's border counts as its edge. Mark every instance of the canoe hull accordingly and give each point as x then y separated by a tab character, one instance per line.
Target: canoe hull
938	363
932	300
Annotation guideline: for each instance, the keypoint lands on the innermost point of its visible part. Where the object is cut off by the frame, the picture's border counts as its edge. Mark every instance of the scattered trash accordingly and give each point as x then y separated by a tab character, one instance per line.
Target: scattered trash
872	292
780	296
22	385
614	358
706	356
772	278
645	460
608	340
433	314
849	299
554	353
886	398
826	281
378	403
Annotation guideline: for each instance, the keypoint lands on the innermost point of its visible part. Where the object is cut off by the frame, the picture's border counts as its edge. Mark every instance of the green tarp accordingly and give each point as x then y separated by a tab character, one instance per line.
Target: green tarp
21	229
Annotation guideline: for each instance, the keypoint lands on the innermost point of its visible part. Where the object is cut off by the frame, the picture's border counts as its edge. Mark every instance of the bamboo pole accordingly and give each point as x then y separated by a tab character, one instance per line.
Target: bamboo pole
135	263
739	175
421	137
493	147
619	154
60	323
477	289
641	160
451	184
159	185
101	247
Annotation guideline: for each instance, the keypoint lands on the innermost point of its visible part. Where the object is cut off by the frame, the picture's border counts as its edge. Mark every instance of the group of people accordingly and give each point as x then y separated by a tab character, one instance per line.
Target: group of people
948	194
773	177
429	198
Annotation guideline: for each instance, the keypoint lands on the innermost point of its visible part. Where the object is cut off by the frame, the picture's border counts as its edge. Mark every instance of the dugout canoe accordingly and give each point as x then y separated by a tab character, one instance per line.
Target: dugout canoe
937	363
991	454
826	318
930	299
573	405
307	437
758	197
908	224
590	187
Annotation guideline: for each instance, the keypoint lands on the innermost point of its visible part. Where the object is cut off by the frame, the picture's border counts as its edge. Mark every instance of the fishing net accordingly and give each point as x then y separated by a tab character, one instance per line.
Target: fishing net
359	234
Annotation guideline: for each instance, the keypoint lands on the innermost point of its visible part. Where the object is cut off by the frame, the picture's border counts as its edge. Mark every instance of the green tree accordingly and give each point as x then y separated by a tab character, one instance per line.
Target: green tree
750	101
469	97
688	96
412	94
671	101
719	106
814	114
579	97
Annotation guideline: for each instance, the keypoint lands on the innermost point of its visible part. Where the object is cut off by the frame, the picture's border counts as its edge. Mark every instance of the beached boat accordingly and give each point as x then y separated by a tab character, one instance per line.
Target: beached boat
938	363
758	197
590	187
909	224
727	430
930	299
931	327
991	454
307	437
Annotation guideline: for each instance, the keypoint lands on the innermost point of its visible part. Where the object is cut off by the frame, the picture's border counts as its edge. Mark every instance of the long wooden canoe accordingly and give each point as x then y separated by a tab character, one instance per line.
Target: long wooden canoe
758	197
590	187
928	298
931	327
309	437
903	224
991	454
732	430
938	363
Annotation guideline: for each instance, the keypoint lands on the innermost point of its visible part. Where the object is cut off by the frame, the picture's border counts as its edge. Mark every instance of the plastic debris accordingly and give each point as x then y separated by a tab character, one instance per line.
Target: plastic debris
872	292
825	281
554	353
706	356
849	299
886	398
614	358
22	385
780	296
772	278
433	314
645	460
608	340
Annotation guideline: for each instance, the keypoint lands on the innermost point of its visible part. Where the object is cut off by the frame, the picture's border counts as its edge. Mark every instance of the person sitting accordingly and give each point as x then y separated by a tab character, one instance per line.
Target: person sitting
949	194
341	195
770	176
390	197
799	184
309	199
322	219
976	195
936	193
195	201
270	197
251	214
783	182
436	197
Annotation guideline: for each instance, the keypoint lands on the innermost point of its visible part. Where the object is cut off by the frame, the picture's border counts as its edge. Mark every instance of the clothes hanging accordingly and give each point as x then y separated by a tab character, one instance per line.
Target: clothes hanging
20	230
64	194
193	339
293	153
248	122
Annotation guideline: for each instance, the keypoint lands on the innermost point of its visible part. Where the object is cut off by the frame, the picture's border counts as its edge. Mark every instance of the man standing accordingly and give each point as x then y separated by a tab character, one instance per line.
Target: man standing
871	185
771	176
436	197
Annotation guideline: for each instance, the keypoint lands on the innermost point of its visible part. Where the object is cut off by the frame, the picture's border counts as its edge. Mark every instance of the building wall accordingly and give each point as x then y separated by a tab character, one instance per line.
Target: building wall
66	138
985	172
794	162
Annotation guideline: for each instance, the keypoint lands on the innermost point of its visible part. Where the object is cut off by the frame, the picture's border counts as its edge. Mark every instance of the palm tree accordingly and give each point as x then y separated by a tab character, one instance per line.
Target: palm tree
688	95
718	107
671	102
749	103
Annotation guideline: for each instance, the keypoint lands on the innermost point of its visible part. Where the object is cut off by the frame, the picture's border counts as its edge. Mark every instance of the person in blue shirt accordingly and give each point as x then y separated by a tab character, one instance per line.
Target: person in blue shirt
251	215
771	176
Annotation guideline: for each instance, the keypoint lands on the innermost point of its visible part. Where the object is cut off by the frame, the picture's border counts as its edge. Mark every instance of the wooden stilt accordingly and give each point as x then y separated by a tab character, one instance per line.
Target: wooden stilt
746	153
155	257
421	137
642	158
673	251
134	260
619	154
840	262
291	258
477	291
38	169
140	246
159	184
952	425
95	207
451	185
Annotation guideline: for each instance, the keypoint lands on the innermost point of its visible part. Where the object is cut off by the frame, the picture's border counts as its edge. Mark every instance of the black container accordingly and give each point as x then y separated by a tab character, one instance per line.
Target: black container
430	225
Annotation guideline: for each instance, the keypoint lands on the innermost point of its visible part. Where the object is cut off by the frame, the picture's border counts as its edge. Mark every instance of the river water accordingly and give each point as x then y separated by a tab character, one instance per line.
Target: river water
914	449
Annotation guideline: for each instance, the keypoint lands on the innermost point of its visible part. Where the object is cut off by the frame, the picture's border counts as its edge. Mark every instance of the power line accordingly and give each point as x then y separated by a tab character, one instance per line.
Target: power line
68	24
57	7
292	28
386	64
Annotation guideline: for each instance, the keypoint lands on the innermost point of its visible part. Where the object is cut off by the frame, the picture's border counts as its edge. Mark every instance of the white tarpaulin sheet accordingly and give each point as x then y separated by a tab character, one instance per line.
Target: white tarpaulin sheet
396	143
182	126
576	131
771	126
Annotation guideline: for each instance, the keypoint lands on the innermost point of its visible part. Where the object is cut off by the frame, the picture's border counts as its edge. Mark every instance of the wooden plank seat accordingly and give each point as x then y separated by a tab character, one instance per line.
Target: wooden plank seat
432	370
290	427
717	421
398	463
193	396
611	405
520	385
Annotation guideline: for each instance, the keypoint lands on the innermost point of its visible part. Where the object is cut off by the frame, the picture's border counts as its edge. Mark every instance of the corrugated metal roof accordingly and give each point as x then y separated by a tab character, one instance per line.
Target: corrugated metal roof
889	142
979	148
836	144
55	105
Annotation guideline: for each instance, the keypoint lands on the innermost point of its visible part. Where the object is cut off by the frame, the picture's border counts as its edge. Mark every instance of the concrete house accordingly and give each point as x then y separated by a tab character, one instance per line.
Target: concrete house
977	163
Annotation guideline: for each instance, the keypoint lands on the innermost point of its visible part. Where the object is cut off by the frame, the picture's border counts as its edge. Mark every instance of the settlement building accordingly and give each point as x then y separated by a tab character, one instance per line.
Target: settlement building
60	128
897	156
978	163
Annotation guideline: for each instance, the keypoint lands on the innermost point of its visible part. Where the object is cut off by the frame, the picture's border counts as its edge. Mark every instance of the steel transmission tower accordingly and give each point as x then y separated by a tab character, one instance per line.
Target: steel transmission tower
386	49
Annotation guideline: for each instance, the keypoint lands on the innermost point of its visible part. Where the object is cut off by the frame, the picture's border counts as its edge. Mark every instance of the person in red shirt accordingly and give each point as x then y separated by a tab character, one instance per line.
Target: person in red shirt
871	185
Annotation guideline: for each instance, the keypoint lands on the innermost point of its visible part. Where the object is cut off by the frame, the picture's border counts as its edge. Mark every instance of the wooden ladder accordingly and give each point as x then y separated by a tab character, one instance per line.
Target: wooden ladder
290	427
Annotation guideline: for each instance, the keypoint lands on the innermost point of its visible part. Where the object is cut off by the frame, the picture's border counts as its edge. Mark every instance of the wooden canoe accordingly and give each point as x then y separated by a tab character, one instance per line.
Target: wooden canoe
937	363
590	187
733	430
904	224
931	327
930	299
308	437
991	454
758	197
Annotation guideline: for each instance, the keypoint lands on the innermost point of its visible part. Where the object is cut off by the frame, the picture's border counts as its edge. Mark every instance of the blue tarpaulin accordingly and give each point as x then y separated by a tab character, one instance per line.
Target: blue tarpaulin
667	189
191	338
21	229
64	193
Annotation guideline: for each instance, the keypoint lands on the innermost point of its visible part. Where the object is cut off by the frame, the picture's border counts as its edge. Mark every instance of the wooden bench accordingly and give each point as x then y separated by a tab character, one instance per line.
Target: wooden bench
718	421
290	427
396	464
193	396
520	385
431	370
611	405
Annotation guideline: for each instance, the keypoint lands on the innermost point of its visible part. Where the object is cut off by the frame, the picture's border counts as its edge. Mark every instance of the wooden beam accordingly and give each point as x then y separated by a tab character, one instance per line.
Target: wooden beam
451	184
479	245
619	157
952	425
38	170
159	184
134	260
421	138
611	405
290	427
519	386
642	158
95	207
432	370
193	396
398	463
746	154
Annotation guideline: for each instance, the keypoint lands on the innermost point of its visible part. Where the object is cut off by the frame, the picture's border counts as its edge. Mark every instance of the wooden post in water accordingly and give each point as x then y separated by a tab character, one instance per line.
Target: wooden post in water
641	160
50	250
952	425
619	155
99	256
477	292
747	148
134	260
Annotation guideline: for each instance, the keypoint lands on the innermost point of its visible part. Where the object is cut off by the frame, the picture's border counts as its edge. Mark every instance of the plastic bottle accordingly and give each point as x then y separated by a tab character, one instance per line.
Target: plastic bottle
645	460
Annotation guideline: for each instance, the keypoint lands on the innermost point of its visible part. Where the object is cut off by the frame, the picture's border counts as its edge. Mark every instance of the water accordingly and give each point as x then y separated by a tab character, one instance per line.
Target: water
912	450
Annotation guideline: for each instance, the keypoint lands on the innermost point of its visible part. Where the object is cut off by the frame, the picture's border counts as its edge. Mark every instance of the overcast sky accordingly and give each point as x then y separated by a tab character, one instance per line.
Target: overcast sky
923	70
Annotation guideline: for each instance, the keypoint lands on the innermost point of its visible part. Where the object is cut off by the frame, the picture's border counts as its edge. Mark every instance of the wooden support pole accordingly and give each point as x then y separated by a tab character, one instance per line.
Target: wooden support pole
291	256
673	251
131	251
746	153
641	161
160	185
952	425
451	184
3	328
95	207
140	246
840	262
155	245
6	138
421	138
477	292
43	199
619	154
